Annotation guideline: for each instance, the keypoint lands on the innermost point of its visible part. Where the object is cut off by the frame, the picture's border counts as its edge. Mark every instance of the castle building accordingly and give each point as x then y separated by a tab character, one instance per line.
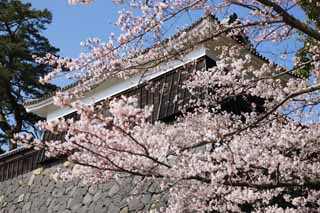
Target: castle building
26	184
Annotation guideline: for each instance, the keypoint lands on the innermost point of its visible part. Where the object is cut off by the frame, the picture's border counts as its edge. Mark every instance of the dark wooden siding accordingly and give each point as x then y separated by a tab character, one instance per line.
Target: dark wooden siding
168	96
19	163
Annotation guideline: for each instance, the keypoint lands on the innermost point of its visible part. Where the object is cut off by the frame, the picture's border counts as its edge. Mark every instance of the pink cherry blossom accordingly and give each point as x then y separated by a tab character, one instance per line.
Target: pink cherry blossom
264	159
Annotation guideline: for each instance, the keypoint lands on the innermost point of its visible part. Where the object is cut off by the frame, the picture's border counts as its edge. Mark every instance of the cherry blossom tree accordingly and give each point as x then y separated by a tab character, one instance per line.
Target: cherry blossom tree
209	159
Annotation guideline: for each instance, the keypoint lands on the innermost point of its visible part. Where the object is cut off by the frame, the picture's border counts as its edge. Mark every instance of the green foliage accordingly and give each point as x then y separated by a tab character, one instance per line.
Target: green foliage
312	11
305	56
20	40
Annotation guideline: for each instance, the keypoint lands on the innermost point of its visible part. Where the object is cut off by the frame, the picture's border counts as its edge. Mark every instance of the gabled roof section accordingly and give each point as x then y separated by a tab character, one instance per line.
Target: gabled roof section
206	22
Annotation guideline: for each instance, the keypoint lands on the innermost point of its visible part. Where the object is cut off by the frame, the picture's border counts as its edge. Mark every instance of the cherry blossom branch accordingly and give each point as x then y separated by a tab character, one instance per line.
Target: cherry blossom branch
300	66
255	123
292	21
119	170
147	155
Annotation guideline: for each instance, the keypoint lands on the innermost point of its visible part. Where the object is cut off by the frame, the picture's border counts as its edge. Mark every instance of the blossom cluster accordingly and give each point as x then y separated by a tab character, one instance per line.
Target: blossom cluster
263	159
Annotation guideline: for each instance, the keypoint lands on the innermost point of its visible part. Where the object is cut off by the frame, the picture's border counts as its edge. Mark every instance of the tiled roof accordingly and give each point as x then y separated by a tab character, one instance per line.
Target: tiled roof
12	152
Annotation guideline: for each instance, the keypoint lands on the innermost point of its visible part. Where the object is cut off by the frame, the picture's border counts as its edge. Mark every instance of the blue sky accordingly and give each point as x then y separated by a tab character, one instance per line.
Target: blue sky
75	23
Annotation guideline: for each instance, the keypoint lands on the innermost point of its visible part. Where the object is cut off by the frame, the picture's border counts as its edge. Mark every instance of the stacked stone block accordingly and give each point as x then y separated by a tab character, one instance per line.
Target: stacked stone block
38	191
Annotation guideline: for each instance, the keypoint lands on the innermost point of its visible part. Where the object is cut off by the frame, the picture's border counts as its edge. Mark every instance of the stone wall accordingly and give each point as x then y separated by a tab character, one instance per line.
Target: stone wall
37	191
